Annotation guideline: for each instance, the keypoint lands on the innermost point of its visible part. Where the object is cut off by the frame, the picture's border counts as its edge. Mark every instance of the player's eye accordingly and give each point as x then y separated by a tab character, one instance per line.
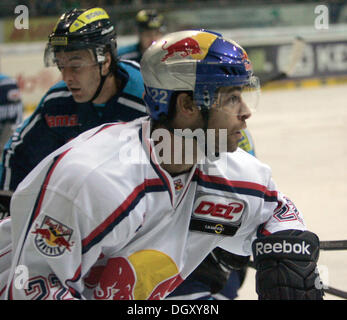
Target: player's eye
235	99
76	67
232	100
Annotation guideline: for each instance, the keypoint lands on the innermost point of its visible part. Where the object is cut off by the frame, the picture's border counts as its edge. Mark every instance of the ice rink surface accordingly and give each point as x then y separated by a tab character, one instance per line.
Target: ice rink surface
302	134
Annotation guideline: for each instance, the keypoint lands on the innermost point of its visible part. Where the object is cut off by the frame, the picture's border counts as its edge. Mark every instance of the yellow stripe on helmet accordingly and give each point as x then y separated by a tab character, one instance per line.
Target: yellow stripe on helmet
205	41
87	17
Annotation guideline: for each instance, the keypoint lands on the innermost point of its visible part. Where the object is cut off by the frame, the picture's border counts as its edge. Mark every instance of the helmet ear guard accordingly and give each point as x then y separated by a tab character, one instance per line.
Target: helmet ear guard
158	100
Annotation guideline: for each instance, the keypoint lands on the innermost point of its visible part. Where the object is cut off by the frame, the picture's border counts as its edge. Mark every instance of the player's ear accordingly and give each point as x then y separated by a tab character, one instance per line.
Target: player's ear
184	104
106	64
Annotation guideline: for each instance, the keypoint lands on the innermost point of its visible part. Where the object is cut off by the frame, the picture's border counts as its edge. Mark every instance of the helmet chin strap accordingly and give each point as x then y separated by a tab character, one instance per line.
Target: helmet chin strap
205	116
205	112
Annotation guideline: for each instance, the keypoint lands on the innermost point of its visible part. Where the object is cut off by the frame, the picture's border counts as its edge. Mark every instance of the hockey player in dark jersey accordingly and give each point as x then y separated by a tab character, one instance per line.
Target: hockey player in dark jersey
96	88
150	27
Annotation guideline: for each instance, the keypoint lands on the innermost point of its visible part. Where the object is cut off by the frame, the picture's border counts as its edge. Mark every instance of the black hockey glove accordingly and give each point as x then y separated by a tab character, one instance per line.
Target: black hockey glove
286	264
230	260
215	270
211	273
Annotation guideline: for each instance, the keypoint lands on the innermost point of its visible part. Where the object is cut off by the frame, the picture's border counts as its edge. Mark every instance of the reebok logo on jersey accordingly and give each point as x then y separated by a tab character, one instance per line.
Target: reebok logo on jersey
282	247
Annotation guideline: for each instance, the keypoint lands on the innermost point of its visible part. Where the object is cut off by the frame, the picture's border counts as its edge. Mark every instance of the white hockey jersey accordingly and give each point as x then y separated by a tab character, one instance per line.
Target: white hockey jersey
100	219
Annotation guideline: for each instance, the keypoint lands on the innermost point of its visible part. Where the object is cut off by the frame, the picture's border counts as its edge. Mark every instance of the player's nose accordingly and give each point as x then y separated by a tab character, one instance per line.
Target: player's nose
245	112
67	75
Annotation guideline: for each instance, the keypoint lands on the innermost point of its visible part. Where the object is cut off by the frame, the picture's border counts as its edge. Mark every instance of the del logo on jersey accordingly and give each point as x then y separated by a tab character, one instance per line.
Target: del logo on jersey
52	237
217	215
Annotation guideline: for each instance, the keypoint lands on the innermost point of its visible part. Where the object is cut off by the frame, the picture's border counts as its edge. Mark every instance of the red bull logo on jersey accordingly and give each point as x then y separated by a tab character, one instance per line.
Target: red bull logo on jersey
145	274
195	46
52	237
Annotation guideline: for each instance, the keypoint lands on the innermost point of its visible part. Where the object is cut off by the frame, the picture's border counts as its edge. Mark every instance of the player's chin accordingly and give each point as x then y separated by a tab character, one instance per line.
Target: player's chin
233	143
232	147
78	98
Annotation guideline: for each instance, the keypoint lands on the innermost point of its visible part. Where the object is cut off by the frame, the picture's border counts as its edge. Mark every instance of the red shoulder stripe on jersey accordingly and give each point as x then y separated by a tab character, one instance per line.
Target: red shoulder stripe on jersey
242	187
150	185
235	183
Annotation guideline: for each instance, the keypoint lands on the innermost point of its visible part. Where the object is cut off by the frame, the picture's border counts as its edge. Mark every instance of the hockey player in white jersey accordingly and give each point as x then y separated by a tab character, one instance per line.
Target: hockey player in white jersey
114	214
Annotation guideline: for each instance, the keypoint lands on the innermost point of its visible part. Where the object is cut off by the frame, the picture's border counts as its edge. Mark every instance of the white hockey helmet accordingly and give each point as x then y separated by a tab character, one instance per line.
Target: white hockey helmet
199	61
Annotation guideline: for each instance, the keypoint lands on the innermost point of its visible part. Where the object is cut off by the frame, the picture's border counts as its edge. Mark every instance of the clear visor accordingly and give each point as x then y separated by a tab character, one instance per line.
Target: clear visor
240	99
77	58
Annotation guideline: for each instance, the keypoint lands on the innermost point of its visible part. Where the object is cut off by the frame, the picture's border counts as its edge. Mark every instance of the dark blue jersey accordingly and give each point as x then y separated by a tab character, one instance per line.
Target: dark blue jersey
58	119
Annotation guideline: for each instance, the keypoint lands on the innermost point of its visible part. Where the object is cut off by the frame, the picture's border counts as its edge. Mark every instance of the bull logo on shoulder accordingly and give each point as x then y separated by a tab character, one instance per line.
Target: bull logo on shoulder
52	238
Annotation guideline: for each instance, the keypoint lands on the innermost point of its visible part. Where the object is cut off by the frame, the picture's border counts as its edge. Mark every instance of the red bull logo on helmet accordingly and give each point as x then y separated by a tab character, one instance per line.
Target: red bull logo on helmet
195	45
52	237
184	48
